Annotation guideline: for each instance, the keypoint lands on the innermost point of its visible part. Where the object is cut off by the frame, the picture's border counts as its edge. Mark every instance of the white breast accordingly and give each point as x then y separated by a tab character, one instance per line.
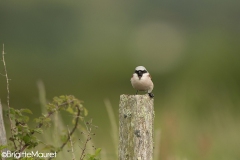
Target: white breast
143	84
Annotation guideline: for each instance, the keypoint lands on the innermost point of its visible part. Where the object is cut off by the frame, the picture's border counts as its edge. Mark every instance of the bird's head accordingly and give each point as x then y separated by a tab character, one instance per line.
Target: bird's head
140	70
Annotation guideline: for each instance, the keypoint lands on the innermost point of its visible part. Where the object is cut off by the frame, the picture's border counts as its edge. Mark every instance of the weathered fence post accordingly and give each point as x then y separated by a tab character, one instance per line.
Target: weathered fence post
136	116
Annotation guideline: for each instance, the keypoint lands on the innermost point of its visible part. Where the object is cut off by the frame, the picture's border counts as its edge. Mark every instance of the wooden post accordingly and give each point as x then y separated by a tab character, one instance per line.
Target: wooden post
136	116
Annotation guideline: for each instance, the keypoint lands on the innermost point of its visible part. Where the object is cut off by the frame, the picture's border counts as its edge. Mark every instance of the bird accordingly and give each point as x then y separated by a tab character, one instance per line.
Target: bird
141	81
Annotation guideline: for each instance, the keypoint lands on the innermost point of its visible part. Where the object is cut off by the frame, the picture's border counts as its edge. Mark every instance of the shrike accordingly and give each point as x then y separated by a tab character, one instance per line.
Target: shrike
141	81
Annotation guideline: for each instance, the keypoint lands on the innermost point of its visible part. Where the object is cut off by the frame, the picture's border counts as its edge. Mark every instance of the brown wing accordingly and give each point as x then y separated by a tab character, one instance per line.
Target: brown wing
150	76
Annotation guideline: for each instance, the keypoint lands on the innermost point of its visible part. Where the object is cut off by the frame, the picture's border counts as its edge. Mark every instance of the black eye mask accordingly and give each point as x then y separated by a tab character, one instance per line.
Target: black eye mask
144	71
140	73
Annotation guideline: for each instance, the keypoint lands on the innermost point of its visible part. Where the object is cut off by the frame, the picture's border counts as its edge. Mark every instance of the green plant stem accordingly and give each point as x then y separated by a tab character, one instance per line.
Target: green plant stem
41	124
72	131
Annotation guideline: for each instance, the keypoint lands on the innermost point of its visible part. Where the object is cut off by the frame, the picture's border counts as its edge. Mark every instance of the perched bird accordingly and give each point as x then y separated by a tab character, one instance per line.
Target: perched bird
141	81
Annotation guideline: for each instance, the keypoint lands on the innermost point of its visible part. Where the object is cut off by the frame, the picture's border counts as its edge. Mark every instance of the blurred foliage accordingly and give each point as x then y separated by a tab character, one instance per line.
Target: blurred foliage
23	137
90	49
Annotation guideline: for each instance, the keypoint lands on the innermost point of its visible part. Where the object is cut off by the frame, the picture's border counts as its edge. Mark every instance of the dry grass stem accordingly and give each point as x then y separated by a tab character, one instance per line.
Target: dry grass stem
114	129
71	142
8	94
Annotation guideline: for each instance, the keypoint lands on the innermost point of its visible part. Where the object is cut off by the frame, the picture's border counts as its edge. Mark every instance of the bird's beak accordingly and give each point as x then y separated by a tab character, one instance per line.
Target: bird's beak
139	73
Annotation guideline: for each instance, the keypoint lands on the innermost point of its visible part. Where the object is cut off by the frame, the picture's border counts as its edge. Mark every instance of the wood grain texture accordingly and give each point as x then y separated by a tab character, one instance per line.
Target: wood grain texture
136	117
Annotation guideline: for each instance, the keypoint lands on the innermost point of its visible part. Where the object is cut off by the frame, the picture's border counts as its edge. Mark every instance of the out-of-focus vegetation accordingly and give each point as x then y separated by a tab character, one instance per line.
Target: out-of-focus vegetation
90	49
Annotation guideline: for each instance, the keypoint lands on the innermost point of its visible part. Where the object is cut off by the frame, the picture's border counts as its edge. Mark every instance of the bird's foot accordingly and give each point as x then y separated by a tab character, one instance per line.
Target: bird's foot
151	95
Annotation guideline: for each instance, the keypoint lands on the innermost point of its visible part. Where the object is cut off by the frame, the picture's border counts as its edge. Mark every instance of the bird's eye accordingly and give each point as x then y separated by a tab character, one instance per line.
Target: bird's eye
144	71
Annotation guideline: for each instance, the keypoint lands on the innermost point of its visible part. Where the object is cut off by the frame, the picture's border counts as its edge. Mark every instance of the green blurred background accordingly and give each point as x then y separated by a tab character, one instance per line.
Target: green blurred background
90	49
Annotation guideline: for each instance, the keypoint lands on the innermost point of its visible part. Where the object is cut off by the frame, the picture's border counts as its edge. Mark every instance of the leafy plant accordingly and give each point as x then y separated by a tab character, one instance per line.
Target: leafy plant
94	156
24	137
